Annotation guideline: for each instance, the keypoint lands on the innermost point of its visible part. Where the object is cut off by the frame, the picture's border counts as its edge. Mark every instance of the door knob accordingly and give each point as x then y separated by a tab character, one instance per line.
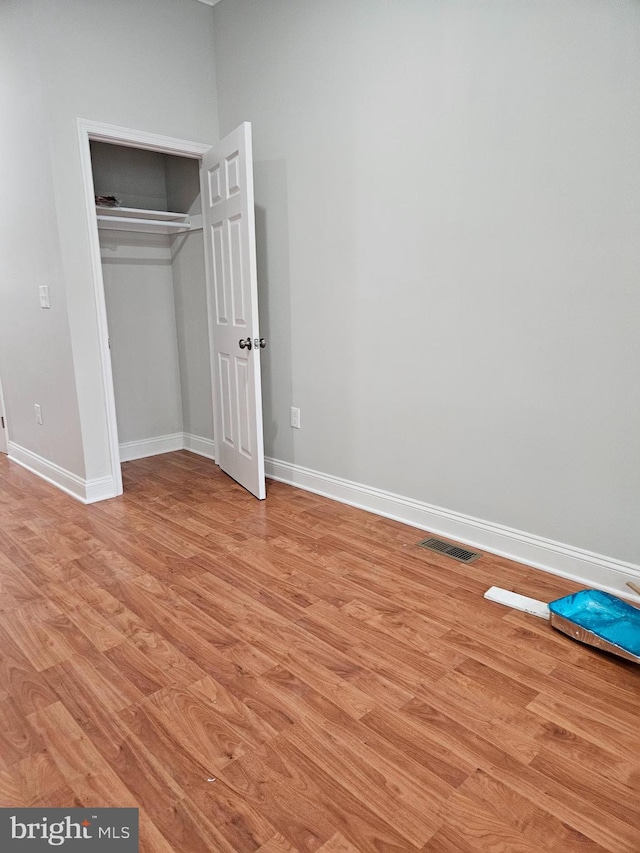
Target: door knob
259	343
245	343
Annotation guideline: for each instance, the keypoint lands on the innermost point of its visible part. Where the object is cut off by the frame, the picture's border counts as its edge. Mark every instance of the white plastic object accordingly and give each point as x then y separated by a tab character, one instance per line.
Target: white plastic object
518	602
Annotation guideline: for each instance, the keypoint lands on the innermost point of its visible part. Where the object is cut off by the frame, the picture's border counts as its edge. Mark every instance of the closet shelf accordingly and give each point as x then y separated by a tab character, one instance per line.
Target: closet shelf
132	219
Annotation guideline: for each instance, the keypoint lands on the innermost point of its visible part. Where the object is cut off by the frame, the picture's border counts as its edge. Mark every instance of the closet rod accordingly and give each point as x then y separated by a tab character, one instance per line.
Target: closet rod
125	223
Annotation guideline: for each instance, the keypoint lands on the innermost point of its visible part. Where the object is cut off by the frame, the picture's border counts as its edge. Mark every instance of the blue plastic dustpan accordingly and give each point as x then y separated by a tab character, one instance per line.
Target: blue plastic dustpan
601	620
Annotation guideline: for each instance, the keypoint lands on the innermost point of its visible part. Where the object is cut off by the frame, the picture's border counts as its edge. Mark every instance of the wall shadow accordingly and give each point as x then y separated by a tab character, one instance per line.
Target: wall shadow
274	297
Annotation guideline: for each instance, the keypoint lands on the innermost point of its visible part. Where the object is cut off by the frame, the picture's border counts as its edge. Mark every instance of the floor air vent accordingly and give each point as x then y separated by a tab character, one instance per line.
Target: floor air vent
449	550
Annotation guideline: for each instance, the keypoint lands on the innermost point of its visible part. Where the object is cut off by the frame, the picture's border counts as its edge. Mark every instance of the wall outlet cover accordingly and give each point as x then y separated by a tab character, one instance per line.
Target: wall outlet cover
44	296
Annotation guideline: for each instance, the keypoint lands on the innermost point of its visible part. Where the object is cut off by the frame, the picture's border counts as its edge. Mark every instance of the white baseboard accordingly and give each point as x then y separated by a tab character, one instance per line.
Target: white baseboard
86	491
130	450
102	488
202	446
576	564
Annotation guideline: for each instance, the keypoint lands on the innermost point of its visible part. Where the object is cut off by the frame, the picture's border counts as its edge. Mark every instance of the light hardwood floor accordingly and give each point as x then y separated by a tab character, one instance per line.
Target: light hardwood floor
295	675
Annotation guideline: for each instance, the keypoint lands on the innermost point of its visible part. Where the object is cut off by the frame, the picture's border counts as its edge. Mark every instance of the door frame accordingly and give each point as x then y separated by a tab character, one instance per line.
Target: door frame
3	412
92	131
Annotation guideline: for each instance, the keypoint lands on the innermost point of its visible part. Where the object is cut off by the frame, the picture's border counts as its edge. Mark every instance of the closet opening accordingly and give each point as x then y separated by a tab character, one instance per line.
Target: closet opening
172	244
149	216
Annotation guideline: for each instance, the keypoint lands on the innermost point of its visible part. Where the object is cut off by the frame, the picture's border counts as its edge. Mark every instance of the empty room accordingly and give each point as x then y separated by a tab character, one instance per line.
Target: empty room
276	576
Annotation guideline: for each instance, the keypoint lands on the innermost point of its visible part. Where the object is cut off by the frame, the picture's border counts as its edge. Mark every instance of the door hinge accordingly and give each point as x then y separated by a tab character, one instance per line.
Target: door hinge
2	419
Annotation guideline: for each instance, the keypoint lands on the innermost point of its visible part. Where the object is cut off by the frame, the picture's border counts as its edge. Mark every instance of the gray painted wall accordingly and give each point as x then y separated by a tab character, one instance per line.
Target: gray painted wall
138	284
134	176
187	252
447	197
447	215
36	359
147	65
182	184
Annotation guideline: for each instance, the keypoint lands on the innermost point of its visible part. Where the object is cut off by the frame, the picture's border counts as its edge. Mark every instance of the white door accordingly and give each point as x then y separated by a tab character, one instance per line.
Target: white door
3	426
229	229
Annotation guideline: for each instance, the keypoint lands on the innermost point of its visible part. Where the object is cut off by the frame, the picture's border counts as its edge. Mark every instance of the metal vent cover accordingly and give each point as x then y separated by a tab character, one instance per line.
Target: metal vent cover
449	550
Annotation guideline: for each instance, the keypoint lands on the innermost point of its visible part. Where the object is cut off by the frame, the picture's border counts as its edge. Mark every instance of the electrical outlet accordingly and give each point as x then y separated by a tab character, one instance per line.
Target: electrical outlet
44	296
295	417
38	412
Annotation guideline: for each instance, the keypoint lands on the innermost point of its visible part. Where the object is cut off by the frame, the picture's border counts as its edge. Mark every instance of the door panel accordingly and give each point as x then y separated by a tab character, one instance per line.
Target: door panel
227	179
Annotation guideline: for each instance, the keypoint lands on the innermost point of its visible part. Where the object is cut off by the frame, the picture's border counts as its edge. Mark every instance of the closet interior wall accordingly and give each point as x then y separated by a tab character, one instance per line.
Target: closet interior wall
155	292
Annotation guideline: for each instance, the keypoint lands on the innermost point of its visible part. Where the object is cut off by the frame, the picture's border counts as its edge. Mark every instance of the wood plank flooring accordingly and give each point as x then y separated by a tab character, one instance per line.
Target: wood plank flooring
295	676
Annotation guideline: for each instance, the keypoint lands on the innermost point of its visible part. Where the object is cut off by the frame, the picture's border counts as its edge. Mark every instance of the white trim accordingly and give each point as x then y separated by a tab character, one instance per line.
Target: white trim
130	450
197	444
202	446
99	489
91	130
103	488
133	138
209	2
86	491
576	564
100	303
3	412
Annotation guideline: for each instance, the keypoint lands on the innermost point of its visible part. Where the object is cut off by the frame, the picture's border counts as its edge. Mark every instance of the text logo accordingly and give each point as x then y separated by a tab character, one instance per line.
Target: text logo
37	830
